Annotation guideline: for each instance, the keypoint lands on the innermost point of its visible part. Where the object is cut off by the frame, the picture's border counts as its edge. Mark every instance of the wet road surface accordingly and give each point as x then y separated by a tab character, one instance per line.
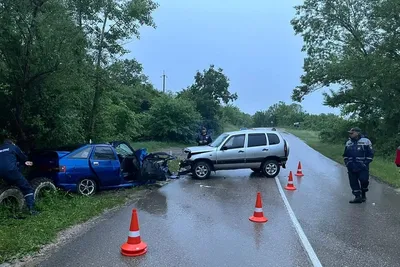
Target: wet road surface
205	223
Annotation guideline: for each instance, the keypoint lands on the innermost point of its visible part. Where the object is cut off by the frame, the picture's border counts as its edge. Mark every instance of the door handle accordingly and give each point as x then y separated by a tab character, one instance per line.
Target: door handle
265	149
95	163
241	151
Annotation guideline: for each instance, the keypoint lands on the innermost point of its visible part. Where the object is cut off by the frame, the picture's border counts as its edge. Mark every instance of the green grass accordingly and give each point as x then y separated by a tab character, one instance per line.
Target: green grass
60	210
383	169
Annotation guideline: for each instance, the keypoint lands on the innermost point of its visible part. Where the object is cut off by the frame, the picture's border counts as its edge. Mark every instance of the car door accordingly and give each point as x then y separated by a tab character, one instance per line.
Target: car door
256	149
232	153
106	165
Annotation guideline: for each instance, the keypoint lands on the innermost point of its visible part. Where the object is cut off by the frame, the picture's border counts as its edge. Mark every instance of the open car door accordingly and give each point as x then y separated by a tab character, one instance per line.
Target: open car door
130	166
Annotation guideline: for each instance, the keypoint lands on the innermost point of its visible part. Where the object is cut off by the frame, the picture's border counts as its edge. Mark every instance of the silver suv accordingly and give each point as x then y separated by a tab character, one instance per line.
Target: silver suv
256	149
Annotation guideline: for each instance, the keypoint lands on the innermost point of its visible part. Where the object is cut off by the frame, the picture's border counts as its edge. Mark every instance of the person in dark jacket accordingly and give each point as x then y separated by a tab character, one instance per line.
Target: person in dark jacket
358	154
203	138
10	156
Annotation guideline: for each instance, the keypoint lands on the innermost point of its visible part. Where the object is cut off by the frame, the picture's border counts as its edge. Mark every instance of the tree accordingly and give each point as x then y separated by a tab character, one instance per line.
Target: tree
107	23
354	44
38	42
209	91
171	118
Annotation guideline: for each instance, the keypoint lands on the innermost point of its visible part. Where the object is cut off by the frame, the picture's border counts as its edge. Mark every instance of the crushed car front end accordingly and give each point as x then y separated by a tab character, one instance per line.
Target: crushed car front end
192	154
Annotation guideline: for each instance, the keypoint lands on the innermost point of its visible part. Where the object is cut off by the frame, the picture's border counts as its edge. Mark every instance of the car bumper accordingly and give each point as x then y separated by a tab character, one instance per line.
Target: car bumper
283	162
185	167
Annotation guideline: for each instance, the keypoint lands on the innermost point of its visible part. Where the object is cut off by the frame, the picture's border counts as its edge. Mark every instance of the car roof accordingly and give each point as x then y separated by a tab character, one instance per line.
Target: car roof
253	130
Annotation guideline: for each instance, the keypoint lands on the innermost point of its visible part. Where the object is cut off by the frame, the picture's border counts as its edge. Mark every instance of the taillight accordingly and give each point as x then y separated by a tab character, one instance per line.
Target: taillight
62	169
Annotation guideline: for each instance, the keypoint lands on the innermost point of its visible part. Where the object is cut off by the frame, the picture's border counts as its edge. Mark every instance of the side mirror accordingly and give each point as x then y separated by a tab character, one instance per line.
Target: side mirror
224	148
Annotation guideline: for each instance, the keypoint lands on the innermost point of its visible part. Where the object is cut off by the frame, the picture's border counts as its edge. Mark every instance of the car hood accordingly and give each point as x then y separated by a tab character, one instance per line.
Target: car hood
199	149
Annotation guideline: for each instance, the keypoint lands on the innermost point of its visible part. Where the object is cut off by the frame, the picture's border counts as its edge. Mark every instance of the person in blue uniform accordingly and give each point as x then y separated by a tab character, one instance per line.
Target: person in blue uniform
358	154
10	156
203	138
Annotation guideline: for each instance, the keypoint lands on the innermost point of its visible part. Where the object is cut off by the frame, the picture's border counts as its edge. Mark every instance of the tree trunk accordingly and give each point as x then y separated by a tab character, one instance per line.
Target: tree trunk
98	86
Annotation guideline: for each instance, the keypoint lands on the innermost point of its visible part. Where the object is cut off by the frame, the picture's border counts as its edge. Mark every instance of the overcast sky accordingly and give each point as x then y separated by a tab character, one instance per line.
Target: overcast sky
252	41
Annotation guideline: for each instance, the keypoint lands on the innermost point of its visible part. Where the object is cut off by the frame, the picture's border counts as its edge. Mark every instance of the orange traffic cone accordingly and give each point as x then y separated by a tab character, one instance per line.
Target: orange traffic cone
299	172
290	185
134	246
258	215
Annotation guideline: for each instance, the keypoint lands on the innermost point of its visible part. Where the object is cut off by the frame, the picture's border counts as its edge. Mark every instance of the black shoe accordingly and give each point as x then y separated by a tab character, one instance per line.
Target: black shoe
363	197
356	200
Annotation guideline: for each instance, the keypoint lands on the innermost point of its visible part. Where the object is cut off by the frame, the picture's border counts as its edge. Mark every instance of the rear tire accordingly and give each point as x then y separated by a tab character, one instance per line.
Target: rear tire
42	184
271	168
201	170
11	195
87	187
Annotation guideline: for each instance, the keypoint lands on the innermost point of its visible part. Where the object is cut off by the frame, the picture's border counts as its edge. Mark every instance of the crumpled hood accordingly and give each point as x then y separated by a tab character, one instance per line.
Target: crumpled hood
199	149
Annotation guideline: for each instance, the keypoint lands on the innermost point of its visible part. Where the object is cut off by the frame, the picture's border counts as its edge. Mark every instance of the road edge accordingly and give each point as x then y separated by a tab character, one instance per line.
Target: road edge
303	238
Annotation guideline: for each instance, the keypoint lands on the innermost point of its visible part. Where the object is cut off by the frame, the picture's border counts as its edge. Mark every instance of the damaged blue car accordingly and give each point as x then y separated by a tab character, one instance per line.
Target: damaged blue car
88	168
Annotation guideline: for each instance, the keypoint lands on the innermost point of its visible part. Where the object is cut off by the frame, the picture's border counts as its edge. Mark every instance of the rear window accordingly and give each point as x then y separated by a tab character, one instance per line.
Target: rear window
83	154
273	139
257	140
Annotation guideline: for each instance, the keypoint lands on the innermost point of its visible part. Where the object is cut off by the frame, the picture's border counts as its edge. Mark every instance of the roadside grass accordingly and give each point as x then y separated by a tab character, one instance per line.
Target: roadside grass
61	210
381	168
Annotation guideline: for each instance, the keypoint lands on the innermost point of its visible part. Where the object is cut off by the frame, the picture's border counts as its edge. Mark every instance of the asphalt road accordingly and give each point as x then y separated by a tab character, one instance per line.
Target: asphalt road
205	223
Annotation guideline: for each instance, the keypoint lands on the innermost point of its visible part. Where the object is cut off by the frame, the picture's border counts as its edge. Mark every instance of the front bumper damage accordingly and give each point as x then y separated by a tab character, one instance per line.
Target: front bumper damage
185	167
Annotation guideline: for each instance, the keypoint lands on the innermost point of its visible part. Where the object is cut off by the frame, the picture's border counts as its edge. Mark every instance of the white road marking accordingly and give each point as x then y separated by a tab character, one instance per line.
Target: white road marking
303	238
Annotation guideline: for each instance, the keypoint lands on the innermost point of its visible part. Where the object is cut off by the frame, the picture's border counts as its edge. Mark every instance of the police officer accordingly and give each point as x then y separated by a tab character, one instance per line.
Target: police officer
10	155
203	138
358	154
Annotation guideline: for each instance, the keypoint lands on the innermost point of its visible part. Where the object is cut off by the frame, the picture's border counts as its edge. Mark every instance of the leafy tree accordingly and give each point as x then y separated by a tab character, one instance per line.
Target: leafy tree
233	115
209	91
173	119
39	44
106	24
354	44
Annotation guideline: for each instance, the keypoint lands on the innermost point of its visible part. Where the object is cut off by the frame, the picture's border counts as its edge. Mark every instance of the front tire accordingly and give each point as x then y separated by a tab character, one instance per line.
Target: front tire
271	168
201	170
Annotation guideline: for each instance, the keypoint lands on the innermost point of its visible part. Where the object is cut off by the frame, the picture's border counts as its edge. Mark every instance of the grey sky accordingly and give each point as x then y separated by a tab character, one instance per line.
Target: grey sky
252	41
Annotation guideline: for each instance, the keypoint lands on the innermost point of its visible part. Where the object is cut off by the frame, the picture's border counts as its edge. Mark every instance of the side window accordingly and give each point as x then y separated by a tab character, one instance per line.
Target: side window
83	154
257	140
236	141
103	153
273	139
123	150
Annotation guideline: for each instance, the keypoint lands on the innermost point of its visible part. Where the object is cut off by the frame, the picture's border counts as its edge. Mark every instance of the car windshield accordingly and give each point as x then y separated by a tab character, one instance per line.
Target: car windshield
217	142
123	150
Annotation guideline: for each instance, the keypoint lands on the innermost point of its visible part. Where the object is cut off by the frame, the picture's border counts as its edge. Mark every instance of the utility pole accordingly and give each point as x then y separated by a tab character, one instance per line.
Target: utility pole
163	81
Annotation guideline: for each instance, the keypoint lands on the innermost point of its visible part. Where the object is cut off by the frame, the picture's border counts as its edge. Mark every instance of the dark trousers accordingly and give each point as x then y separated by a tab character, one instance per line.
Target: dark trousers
16	178
359	181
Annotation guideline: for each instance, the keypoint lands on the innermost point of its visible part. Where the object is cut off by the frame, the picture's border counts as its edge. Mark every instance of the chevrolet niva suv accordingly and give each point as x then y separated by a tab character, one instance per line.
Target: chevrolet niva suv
261	150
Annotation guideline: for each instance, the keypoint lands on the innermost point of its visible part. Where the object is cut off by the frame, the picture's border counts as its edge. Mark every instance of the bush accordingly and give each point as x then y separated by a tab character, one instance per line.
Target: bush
172	119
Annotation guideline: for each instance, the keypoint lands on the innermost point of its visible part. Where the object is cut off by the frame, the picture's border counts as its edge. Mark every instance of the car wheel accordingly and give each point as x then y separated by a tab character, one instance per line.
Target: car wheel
201	170
256	169
270	168
87	187
41	185
12	198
